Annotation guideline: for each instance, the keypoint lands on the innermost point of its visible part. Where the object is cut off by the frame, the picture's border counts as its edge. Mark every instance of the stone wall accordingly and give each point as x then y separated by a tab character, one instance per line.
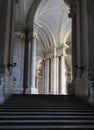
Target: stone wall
6	85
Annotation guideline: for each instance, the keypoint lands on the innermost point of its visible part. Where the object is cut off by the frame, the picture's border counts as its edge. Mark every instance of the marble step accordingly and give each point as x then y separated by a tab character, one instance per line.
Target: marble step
46	122
46	127
29	107
45	110
11	117
47	113
47	107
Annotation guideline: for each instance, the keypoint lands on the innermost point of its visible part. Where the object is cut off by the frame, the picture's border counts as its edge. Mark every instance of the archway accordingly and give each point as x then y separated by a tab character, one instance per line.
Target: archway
47	64
53	29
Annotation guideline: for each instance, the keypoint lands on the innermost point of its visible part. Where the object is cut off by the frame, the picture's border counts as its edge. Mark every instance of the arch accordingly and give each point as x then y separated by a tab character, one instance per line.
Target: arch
31	13
39	9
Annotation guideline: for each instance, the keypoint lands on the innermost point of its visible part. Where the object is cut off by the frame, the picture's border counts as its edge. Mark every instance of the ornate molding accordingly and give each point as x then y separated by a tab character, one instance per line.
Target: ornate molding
19	35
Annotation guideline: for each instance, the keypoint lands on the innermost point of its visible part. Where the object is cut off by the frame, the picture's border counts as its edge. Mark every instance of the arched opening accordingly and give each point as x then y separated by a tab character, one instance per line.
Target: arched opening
53	45
43	40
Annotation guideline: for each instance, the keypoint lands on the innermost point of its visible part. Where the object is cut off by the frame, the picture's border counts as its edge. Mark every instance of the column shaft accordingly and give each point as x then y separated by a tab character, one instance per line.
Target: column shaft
6	30
74	48
57	74
62	76
33	63
43	76
53	76
32	88
46	86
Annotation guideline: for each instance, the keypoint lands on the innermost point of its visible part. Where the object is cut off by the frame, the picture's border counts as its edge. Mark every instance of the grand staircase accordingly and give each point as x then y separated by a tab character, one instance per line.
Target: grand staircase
43	112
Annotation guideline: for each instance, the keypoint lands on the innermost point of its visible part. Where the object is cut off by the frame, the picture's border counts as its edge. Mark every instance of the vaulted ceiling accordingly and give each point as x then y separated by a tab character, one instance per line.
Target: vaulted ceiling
54	24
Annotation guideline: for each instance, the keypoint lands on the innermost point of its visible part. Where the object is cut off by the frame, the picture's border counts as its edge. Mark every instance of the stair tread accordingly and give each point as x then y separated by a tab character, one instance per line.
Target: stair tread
13	127
28	110
45	112
46	121
47	117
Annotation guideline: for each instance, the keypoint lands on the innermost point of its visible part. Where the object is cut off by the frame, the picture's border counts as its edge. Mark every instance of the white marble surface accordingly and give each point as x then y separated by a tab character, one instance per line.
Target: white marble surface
19	68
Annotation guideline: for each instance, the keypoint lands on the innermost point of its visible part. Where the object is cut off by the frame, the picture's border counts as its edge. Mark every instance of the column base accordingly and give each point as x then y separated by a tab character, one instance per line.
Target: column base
31	91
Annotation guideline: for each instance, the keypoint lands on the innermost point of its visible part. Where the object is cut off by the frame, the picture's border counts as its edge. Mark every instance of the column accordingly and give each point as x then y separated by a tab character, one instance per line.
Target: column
11	40
50	75
18	58
87	39
74	45
79	45
32	88
62	76
27	50
6	30
57	74
54	73
46	76
43	76
37	82
85	36
71	86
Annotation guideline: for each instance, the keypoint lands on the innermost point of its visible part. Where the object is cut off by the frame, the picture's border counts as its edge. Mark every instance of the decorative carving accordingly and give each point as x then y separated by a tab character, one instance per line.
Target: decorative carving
19	35
11	65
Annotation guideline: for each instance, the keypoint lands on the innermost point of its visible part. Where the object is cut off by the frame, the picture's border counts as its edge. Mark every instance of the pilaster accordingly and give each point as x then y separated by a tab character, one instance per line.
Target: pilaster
46	85
18	59
6	31
62	76
32	88
73	16
85	21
